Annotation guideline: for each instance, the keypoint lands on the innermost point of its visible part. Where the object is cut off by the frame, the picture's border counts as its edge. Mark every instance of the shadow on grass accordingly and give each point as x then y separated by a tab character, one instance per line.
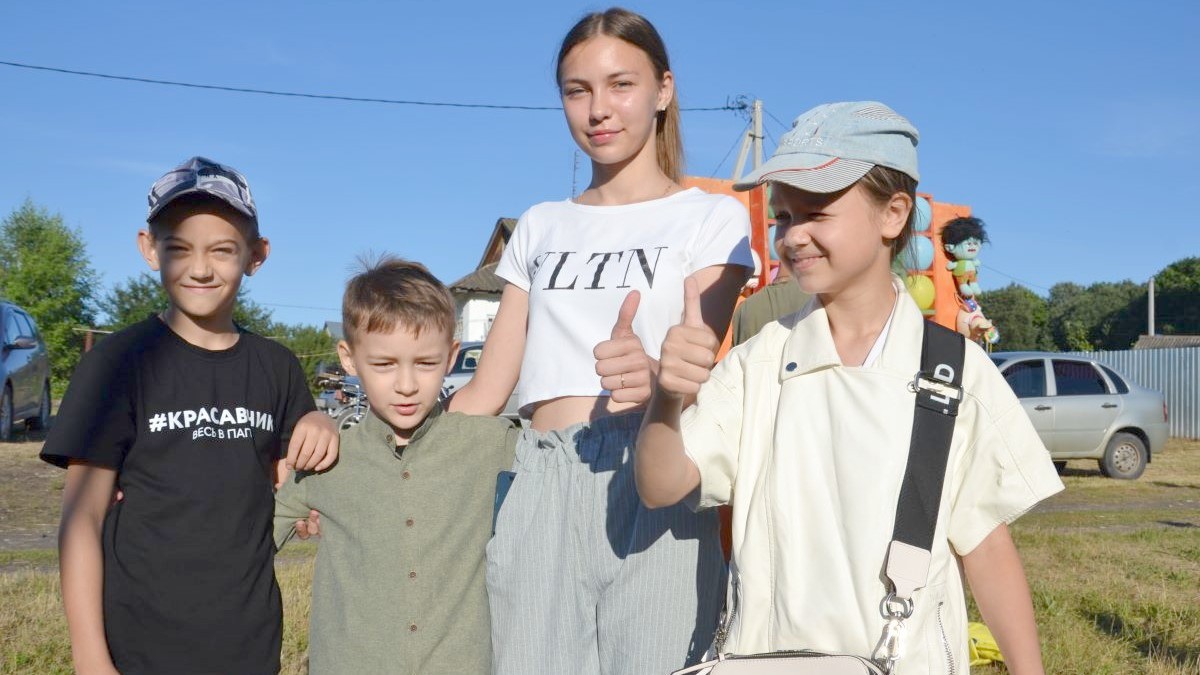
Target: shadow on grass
1181	486
1177	523
1148	643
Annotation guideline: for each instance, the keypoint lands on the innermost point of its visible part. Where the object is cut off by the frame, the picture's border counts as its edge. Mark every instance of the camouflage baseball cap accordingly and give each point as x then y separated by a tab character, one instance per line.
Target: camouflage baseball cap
200	175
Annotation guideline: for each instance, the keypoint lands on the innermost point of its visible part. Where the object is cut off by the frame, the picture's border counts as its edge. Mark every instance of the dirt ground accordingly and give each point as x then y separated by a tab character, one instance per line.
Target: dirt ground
30	495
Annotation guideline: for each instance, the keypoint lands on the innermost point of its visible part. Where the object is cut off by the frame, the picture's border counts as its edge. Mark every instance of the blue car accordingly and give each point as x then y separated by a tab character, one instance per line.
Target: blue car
24	372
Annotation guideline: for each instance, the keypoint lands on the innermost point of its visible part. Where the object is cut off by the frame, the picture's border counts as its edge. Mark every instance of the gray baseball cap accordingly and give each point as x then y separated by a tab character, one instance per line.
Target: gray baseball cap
204	176
832	146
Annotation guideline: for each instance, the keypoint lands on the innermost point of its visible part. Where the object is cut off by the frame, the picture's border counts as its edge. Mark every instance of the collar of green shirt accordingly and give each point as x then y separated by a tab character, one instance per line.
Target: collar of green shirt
376	429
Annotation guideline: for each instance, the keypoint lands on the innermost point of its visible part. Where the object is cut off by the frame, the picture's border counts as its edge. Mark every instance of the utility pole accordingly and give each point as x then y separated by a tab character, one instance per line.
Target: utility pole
1150	319
574	171
754	136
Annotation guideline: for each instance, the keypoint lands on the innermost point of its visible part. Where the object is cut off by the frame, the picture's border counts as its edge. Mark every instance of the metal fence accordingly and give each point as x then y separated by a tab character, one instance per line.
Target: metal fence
1174	372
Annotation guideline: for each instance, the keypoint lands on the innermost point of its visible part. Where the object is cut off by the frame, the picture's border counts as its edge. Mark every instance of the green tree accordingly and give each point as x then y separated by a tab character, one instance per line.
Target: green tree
1020	315
1117	328
132	301
44	269
1095	317
310	344
141	296
1177	301
1068	331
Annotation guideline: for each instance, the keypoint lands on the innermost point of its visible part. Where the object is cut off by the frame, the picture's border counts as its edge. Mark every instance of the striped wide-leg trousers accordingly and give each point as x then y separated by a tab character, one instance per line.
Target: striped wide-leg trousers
582	578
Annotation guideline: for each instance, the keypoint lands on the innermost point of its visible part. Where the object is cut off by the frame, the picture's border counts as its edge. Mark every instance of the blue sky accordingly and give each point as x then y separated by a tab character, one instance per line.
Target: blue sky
1070	127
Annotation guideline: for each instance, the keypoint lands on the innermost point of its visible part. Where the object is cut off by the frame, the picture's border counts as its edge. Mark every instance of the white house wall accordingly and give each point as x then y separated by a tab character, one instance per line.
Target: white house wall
475	317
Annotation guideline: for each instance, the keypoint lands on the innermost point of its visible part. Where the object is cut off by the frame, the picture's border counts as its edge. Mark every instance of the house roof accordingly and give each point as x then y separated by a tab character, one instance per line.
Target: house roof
482	280
1167	341
334	328
495	245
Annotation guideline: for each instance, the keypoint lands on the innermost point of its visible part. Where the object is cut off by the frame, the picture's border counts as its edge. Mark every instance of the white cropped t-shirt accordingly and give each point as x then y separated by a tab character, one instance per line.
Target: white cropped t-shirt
578	262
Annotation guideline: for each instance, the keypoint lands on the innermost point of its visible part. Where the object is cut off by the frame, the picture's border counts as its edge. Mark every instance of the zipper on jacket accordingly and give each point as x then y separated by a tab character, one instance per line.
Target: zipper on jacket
950	669
727	624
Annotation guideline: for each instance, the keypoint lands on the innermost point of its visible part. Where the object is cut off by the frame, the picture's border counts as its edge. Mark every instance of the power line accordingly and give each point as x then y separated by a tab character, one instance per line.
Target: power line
276	304
1019	281
738	140
327	97
783	126
771	138
309	356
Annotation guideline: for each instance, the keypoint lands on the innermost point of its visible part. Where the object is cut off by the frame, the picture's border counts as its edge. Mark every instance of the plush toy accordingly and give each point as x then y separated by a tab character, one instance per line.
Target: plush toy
973	324
962	238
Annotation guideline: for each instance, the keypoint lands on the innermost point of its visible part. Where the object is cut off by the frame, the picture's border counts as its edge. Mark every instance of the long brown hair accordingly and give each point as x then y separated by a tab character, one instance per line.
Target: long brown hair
636	30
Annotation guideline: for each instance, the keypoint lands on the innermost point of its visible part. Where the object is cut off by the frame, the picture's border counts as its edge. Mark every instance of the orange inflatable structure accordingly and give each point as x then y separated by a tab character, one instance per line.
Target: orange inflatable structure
945	302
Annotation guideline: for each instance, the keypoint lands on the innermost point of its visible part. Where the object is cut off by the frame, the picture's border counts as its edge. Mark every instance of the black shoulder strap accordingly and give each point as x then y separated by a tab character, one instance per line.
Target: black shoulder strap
939	392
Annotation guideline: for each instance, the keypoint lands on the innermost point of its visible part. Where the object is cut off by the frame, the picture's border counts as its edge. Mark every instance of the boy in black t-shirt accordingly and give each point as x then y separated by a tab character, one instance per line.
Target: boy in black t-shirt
187	414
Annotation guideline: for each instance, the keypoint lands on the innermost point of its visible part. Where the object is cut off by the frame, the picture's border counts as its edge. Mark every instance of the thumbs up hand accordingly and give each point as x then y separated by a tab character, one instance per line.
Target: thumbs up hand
689	350
621	361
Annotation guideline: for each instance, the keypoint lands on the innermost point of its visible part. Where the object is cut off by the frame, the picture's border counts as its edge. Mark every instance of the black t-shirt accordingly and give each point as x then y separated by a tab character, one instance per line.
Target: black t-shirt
189	584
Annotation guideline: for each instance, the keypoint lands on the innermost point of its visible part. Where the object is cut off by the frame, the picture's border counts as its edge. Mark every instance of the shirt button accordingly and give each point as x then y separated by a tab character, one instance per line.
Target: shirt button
409	522
389	438
412	575
790	367
406	475
412	628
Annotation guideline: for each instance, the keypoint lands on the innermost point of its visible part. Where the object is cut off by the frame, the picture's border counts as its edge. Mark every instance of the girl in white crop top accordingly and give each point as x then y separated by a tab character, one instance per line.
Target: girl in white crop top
581	271
593	285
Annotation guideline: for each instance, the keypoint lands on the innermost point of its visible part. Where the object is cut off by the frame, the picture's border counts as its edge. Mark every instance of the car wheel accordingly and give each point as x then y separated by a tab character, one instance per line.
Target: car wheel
42	420
1124	458
1060	466
6	413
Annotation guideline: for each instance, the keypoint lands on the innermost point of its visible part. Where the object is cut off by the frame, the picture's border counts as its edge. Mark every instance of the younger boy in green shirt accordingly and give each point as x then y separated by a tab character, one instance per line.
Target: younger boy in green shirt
399	585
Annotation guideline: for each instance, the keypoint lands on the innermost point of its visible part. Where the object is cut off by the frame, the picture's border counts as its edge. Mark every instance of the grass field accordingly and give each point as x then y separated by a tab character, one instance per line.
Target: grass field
1114	567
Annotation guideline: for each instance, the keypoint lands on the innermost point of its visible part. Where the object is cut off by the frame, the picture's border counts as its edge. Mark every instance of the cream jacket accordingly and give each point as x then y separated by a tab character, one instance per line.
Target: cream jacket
811	454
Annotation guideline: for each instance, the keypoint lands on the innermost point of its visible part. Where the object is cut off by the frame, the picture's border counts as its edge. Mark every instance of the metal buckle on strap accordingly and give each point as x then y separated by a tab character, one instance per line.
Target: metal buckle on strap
892	607
890	648
935	391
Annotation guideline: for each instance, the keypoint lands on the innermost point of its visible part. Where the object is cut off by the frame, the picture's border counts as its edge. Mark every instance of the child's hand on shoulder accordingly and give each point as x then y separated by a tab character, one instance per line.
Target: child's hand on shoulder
314	443
690	349
621	362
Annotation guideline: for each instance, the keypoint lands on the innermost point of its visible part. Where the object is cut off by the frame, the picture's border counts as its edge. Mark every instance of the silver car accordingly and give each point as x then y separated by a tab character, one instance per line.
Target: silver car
464	368
1083	409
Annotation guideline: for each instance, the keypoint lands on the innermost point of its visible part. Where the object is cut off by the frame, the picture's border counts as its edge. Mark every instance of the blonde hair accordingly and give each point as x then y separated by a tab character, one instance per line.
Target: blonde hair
636	30
392	292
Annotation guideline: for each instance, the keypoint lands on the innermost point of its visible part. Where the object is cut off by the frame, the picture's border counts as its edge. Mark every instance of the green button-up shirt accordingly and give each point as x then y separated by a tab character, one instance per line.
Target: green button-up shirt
399	584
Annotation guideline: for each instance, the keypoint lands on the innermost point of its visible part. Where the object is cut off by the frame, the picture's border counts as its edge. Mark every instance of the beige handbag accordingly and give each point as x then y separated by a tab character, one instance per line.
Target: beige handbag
788	663
939	390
